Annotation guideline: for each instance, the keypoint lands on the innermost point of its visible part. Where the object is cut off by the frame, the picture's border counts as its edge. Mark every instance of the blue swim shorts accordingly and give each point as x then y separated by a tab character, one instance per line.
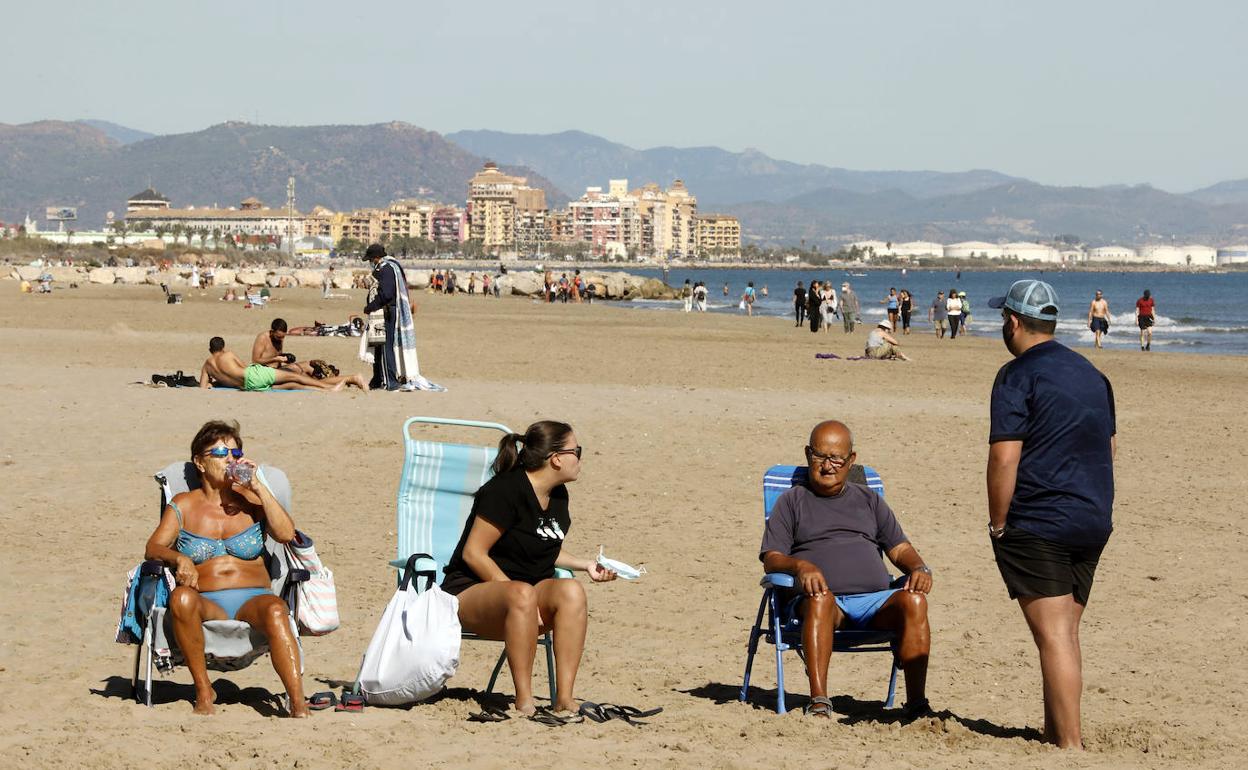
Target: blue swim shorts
859	609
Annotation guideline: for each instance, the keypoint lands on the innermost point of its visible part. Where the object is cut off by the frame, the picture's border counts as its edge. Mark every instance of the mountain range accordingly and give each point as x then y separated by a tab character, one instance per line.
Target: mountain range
96	165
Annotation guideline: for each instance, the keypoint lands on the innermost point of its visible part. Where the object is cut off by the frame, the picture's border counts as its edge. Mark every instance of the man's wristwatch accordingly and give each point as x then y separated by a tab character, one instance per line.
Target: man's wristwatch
995	532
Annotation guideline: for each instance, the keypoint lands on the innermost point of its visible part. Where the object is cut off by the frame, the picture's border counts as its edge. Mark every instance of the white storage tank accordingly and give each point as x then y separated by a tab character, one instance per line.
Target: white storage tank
1031	252
972	249
919	249
1112	254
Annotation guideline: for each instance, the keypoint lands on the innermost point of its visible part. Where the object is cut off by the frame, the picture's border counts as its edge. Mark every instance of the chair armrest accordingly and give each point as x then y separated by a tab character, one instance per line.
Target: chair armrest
422	565
560	572
778	580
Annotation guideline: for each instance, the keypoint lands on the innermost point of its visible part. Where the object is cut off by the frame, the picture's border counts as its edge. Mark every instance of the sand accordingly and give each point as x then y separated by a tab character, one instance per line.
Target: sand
680	415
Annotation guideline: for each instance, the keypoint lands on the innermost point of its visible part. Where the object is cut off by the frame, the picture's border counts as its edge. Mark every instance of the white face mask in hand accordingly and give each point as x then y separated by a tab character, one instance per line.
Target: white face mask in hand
621	570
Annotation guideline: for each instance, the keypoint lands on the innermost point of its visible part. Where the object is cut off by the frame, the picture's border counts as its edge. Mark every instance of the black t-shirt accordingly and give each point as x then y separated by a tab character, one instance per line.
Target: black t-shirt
799	296
531	539
1062	409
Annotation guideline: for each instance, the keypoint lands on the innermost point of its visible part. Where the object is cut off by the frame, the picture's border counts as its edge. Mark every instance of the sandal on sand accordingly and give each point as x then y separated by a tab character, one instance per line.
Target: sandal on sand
604	712
551	718
916	710
321	701
488	714
819	707
350	701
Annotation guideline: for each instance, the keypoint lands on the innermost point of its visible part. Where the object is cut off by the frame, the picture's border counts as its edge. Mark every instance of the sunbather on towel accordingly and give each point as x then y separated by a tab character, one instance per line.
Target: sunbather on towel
223	367
829	534
503	569
212	538
267	350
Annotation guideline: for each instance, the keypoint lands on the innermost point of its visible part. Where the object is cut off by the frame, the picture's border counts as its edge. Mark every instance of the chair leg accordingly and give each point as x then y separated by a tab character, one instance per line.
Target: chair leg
502	658
775	622
150	649
751	648
550	668
892	686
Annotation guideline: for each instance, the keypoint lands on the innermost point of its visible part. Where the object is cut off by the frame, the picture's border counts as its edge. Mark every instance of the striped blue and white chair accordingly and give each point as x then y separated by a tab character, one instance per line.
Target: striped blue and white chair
435	497
783	631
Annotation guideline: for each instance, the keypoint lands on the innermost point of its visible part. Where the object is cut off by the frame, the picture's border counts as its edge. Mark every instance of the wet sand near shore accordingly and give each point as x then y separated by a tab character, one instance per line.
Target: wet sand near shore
680	415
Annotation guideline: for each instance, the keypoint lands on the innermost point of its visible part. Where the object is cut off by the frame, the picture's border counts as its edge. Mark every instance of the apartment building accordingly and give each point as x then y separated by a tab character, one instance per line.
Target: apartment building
608	222
251	218
716	234
502	208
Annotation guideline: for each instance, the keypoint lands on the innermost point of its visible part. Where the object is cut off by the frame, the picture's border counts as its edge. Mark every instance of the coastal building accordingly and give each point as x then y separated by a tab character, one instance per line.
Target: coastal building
607	222
448	224
146	200
717	235
252	222
973	249
1233	255
917	249
1030	252
501	206
1112	254
1182	256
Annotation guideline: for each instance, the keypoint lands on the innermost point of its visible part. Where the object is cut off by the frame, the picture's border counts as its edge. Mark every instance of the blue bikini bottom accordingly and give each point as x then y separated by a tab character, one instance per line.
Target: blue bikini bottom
231	599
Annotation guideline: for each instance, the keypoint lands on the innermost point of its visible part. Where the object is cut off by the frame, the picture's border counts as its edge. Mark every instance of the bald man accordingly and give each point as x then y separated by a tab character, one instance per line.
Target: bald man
829	534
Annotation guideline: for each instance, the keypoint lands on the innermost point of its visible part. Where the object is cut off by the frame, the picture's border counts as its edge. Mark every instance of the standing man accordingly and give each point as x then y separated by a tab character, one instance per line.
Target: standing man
1050	490
686	295
1145	314
395	366
937	313
850	307
1098	317
747	298
799	304
813	299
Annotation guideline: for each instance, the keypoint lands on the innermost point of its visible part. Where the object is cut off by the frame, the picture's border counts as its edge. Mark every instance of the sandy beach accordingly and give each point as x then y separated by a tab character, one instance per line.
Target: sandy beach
680	415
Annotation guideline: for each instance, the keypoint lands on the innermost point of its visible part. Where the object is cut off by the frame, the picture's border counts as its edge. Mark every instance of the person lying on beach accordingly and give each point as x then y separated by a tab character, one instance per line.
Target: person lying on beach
503	570
267	350
829	534
212	539
223	367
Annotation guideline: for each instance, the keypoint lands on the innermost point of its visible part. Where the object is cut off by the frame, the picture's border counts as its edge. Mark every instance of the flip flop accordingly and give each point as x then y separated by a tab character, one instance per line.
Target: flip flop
819	706
350	701
604	712
489	715
321	701
550	718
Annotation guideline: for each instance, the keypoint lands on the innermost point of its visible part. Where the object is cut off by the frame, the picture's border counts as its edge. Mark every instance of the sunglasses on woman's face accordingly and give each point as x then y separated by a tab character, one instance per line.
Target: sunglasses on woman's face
224	451
576	450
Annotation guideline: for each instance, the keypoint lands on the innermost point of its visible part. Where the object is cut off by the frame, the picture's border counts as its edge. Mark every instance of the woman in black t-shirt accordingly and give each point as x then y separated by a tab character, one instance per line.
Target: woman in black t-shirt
503	569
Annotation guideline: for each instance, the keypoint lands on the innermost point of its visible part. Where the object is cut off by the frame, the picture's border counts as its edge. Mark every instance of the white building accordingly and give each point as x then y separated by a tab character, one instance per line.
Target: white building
1233	255
1112	254
916	249
972	249
1194	256
1072	256
1031	252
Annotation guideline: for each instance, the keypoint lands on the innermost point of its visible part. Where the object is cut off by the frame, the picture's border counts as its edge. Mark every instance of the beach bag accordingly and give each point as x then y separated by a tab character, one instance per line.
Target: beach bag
376	331
317	610
416	646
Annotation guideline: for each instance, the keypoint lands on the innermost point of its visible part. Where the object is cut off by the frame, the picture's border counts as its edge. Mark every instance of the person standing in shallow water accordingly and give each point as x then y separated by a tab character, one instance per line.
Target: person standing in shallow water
799	304
1098	317
1145	316
814	298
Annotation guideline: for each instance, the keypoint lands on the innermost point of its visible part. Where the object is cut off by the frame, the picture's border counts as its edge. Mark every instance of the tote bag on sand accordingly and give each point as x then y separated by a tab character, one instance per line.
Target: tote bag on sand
416	646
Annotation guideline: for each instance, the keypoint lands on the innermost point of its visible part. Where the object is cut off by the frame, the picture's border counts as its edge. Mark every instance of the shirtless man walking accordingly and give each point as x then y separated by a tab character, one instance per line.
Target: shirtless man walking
1098	317
267	350
224	367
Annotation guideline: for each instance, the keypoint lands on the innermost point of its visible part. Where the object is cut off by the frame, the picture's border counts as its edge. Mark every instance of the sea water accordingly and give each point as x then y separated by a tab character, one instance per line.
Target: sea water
1195	312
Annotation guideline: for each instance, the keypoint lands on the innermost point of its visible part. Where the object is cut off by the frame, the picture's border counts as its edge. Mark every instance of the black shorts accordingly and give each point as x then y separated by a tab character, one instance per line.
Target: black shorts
1099	324
1145	321
1033	566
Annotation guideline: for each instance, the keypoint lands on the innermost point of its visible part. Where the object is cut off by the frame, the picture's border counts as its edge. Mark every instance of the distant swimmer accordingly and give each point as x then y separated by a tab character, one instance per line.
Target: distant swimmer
1098	317
1145	316
725	290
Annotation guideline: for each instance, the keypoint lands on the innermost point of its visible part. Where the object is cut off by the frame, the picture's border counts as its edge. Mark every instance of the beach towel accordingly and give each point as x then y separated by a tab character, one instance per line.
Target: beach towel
405	336
846	358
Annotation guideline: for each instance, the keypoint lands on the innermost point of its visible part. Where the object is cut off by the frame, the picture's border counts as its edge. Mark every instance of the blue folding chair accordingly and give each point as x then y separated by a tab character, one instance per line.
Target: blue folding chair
435	498
784	631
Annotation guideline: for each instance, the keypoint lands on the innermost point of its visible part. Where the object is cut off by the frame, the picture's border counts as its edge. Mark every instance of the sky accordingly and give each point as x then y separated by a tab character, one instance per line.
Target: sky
1083	93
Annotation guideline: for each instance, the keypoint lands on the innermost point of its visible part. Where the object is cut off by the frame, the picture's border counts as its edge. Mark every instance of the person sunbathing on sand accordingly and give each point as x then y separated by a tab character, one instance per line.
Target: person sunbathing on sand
212	538
225	368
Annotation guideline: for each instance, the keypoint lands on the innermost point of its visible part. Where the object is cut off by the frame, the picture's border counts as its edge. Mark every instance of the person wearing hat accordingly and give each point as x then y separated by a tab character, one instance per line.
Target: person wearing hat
851	309
1050	489
882	345
395	366
966	312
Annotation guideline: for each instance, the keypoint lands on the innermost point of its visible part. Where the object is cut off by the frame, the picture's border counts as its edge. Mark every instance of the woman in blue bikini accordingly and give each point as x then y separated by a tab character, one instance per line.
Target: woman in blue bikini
213	539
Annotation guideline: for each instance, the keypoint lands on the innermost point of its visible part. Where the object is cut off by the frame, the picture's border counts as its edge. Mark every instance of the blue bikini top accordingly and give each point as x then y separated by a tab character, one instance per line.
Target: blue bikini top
246	545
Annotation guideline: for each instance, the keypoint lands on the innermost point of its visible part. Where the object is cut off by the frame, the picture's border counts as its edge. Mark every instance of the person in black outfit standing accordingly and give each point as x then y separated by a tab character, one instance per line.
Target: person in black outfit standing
389	282
813	300
503	569
799	304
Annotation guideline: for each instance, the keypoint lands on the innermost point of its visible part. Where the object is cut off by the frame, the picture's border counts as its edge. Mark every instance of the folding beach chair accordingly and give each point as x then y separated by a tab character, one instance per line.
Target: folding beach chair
229	645
785	631
435	497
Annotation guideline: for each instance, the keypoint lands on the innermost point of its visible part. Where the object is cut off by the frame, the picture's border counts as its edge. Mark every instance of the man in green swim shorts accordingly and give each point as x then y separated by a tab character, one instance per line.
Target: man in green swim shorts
225	368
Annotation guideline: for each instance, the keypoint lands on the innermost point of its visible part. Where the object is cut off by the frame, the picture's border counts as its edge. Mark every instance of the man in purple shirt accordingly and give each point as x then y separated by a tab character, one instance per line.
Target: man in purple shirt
829	535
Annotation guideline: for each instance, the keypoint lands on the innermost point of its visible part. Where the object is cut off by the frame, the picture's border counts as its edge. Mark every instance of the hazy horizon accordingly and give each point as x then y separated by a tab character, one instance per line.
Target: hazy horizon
1068	94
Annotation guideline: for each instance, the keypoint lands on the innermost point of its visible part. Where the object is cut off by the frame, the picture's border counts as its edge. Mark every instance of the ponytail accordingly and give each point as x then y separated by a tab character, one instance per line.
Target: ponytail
537	443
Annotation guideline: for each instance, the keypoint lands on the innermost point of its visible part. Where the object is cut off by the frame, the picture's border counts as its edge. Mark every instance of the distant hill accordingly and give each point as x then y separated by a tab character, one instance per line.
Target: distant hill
342	167
1231	192
575	160
122	134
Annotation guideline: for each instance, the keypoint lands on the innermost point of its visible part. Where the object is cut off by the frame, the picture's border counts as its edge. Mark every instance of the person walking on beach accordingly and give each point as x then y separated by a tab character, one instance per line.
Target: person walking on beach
905	307
1145	315
850	308
747	298
1050	480
953	310
813	299
966	312
485	284
827	305
472	284
938	314
699	296
799	304
686	294
1098	317
891	301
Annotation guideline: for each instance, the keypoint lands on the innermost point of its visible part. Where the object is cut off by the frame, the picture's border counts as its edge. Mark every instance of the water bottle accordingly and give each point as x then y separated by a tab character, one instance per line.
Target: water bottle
242	474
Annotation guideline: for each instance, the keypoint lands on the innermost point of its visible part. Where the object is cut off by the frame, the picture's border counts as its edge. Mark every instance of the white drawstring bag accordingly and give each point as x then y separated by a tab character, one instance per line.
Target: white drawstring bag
416	646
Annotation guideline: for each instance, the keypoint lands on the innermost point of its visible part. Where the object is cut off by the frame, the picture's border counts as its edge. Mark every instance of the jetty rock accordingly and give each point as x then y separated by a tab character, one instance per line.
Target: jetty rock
344	279
525	283
66	274
102	275
223	276
28	272
131	275
416	278
307	277
251	277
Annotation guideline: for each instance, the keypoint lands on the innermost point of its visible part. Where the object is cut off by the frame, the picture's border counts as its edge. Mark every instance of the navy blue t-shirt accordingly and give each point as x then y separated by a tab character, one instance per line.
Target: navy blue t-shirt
1062	409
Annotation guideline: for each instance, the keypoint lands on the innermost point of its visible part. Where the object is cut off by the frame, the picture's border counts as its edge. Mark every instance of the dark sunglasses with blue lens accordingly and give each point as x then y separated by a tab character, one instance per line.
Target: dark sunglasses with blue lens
224	451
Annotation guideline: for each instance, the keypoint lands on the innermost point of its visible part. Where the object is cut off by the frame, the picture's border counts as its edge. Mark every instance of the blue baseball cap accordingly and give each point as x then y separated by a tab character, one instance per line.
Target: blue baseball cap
1031	298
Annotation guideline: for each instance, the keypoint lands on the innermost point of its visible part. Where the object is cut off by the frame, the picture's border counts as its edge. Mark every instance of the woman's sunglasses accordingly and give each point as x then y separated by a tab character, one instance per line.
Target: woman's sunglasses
576	450
224	451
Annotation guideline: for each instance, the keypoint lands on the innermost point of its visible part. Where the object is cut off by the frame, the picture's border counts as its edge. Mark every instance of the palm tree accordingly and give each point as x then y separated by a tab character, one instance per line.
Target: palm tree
216	238
161	231
177	231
